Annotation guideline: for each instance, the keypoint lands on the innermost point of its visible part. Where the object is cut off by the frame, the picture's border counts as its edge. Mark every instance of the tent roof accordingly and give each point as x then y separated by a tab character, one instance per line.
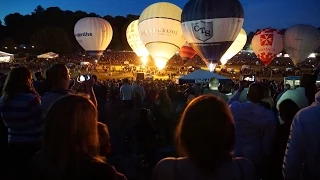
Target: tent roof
297	78
5	54
203	74
48	55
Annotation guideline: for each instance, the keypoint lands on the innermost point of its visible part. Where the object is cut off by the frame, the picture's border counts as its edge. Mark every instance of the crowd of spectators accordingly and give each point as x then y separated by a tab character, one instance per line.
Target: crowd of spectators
58	128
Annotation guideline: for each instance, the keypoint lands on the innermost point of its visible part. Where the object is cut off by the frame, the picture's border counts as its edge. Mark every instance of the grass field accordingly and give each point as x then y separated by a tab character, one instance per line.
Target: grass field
116	75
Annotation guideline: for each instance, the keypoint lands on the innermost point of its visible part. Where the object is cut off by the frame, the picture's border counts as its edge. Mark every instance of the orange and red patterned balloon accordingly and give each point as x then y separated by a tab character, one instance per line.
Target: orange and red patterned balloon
267	44
186	52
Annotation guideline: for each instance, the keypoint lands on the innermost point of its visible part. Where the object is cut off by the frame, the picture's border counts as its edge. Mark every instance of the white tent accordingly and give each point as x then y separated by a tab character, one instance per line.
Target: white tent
48	55
202	76
6	57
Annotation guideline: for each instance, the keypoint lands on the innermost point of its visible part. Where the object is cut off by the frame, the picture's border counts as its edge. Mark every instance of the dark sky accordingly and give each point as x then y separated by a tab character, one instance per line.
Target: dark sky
258	13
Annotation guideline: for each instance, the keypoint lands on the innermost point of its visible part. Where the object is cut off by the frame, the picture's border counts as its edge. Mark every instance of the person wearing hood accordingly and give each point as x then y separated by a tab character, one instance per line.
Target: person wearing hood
254	124
302	157
286	87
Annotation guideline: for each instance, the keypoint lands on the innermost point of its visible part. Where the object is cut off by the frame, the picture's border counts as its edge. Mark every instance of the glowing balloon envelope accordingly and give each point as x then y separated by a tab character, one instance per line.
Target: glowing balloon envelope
210	27
160	31
187	52
236	47
94	35
267	44
134	40
300	41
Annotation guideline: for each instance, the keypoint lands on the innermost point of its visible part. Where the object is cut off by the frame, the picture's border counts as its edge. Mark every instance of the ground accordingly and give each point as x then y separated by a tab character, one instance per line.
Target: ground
116	75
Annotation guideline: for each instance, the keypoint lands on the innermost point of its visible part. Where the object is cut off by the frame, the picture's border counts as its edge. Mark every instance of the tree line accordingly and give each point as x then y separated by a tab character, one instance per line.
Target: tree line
51	29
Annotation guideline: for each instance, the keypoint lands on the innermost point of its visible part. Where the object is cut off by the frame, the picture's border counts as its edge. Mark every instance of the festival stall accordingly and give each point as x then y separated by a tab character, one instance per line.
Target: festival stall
84	63
202	76
294	81
48	55
6	57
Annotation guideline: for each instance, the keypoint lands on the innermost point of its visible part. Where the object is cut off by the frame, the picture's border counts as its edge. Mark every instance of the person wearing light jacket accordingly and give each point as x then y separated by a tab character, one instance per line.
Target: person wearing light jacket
255	126
302	158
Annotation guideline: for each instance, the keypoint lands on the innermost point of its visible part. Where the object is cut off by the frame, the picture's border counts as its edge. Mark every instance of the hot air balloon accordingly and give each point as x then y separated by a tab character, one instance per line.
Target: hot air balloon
300	41
267	44
236	46
160	31
94	35
210	27
134	40
187	52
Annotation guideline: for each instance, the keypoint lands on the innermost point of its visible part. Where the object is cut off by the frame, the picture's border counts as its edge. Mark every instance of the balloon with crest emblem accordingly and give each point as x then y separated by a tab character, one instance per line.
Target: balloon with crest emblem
267	44
211	26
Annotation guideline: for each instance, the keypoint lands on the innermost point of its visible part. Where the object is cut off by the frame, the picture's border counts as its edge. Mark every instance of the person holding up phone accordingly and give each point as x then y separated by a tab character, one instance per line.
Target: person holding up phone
58	76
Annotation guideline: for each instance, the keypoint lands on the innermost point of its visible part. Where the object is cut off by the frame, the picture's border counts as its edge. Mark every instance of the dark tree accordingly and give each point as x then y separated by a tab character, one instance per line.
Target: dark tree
283	31
51	39
38	11
9	43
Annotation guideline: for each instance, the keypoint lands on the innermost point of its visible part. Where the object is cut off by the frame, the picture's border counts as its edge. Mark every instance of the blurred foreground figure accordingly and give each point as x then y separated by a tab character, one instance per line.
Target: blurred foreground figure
206	143
302	157
71	143
21	113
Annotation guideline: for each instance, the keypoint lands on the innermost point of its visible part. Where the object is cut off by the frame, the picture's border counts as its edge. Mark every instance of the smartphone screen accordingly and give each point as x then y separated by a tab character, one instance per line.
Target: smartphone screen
249	78
83	78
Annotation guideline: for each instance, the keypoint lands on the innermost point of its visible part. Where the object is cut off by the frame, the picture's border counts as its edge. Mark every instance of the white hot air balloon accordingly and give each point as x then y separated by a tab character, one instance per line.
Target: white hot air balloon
300	41
236	47
160	31
94	35
134	40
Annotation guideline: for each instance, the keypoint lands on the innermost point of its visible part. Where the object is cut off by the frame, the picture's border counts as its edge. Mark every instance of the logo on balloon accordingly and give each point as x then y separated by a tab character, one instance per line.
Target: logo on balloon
83	34
266	39
202	30
159	31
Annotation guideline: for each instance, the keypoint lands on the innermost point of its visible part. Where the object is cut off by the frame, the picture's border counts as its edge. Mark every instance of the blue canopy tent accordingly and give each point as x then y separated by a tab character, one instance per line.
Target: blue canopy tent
202	76
294	81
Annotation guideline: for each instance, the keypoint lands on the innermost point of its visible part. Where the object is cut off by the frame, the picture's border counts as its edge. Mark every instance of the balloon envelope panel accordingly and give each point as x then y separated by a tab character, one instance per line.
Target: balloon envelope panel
187	52
210	27
134	40
236	47
300	41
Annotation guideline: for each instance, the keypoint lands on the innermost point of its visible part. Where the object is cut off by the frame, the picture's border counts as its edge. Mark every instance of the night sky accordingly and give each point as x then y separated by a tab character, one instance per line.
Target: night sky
258	13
